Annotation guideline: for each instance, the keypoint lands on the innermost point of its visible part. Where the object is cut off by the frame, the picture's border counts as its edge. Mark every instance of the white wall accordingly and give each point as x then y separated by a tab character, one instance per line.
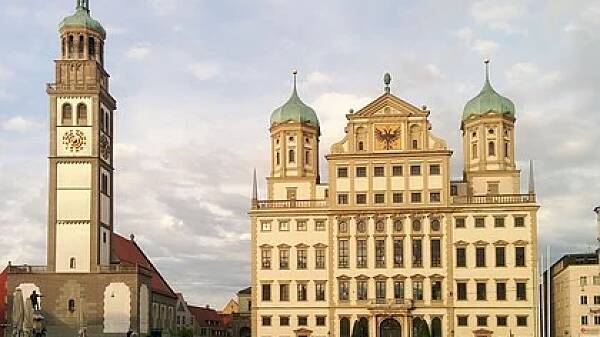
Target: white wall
73	240
144	309
117	308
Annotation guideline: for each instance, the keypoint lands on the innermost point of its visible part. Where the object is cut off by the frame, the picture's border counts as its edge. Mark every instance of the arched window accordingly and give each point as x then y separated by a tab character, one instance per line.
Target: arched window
292	156
344	327
73	263
64	47
436	327
71	45
415	144
91	47
81	45
361	146
491	149
71	306
81	114
474	151
416	225
67	114
506	149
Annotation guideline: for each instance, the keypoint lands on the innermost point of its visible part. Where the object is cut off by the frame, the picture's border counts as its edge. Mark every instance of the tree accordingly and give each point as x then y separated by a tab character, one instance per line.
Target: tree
421	328
361	328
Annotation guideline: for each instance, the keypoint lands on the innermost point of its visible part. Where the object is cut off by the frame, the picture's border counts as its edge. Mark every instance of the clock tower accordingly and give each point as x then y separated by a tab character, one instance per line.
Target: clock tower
80	217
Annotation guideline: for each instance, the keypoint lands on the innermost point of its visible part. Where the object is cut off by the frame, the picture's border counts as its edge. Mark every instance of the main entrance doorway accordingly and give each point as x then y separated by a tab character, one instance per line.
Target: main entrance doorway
390	328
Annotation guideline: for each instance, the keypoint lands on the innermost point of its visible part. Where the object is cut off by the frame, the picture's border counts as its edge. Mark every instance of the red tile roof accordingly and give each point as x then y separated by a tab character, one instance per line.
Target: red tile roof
128	252
226	319
3	294
204	315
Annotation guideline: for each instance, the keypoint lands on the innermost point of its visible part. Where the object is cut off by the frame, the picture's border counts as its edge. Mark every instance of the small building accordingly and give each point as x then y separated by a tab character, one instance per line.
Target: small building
240	321
184	319
207	322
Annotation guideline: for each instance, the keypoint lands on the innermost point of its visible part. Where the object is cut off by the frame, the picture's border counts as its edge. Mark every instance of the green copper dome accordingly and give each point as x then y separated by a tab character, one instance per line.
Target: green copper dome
82	19
488	100
295	110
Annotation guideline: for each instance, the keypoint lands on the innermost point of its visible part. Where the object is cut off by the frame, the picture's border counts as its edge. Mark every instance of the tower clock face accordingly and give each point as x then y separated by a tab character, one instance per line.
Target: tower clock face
105	147
74	141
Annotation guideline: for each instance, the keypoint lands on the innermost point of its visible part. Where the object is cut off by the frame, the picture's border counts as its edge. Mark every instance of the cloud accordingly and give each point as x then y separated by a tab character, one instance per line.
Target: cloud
139	51
204	71
495	15
19	124
317	78
484	47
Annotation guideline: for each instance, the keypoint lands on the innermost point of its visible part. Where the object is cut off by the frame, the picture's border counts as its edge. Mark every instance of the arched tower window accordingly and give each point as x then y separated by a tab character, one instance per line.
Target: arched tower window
474	151
67	114
64	47
72	263
81	46
292	156
71	306
491	149
92	47
71	46
81	114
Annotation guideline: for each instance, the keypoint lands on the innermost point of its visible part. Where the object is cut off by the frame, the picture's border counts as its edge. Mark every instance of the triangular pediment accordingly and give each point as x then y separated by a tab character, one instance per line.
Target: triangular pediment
389	105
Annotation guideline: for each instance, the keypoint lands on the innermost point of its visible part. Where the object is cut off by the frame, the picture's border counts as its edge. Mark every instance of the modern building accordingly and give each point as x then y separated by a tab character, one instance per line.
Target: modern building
391	245
91	271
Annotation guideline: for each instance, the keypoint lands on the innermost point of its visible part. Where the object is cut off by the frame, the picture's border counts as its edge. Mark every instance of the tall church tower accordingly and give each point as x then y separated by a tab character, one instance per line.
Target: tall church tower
295	133
80	217
489	143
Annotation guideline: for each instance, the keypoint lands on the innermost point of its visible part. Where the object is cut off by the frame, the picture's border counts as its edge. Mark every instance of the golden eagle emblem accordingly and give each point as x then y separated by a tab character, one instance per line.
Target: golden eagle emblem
387	136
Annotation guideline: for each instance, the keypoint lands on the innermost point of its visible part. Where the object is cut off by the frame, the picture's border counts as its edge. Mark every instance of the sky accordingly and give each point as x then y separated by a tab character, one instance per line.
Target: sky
196	81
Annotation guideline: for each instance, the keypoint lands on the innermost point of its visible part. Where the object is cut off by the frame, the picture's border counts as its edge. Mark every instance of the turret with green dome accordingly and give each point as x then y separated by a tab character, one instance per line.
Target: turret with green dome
82	19
294	110
488	100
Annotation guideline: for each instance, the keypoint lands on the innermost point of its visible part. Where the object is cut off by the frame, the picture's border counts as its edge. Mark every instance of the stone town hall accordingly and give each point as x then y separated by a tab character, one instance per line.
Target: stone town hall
392	245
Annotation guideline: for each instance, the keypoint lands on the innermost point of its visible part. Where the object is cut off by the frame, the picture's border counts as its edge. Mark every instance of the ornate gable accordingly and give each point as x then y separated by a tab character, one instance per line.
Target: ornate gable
389	105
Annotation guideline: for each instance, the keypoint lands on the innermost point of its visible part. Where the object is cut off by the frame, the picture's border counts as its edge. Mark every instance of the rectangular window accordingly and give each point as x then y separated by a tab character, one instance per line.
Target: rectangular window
379	171
501	321
597	320
461	257
104	184
361	172
462	320
265	226
344	290
436	253
361	254
434	170
344	252
266	292
362	290
398	253
584	320
320	225
284	321
519	221
500	256
380	290
498	222
302	292
361	198
479	222
284	226
459	223
435	197
266	259
284	292
342	172
501	291
461	291
320	321
266	320
597	299
481	291
480	256
302	259
583	300
397	171
417	290
399	290
284	259
415	197
319	258
302	320
379	253
415	170
482	320
521	320
320	291
301	226
417	253
521	291
596	280
343	199
397	198
583	281
520	256
379	198
436	290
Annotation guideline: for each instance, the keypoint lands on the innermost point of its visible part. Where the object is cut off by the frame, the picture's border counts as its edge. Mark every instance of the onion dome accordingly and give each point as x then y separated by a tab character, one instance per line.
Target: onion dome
488	100
294	110
82	19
